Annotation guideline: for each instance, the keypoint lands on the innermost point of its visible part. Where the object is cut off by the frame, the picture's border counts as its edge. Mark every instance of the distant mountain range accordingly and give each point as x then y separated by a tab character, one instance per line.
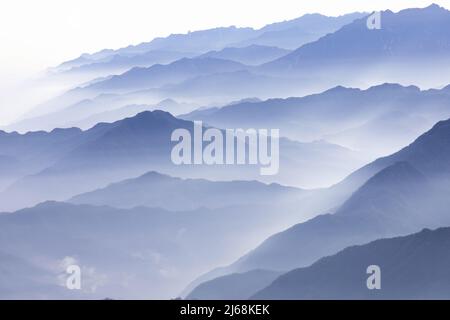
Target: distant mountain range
197	41
160	75
226	43
379	120
251	55
85	114
294	33
117	63
289	34
23	154
157	190
364	155
137	253
351	55
373	122
410	44
111	152
265	44
102	154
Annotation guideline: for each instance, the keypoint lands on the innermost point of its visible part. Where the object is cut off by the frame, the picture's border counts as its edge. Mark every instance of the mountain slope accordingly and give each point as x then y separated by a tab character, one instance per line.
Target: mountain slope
383	207
379	120
412	267
196	41
120	63
160	75
404	193
251	55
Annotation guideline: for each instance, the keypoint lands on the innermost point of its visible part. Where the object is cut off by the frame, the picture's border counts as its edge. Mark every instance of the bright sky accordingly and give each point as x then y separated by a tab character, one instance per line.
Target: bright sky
37	34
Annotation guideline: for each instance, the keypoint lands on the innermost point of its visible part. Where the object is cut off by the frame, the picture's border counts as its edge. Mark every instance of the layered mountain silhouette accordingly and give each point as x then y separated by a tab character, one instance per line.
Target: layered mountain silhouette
135	253
104	153
352	55
197	41
23	154
392	202
117	63
134	80
160	75
292	34
410	44
412	267
404	193
223	42
111	152
287	34
100	190
104	108
251	55
379	120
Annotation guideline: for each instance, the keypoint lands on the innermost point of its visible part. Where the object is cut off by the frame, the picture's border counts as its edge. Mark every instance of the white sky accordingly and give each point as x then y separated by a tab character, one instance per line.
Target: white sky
37	34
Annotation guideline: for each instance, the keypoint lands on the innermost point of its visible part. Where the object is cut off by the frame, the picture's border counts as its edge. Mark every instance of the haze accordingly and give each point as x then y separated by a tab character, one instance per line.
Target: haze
38	34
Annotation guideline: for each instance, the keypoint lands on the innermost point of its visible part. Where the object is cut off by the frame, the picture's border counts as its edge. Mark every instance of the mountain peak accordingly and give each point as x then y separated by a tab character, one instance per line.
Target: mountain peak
154	175
432	8
435	7
142	119
157	117
394	86
341	89
442	127
153	114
